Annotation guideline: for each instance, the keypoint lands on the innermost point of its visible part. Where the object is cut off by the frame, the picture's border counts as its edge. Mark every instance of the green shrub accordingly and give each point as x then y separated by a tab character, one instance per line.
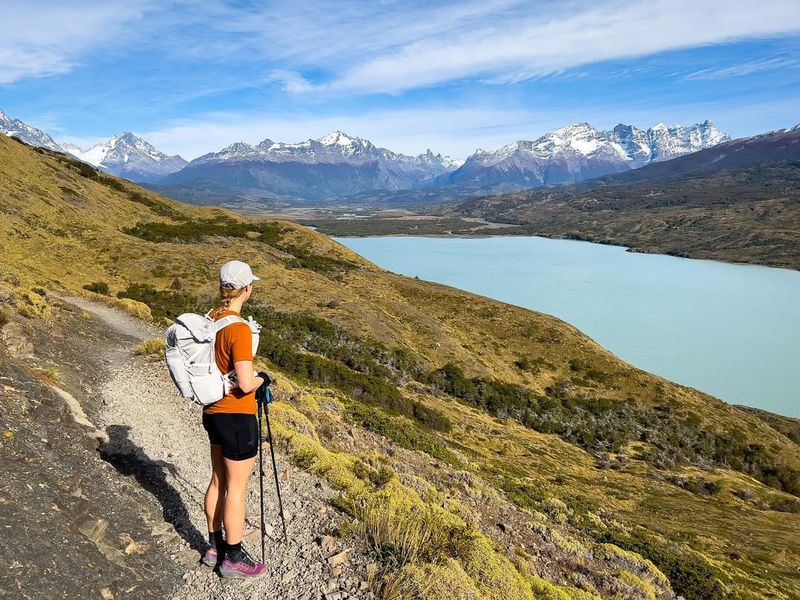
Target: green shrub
304	258
98	287
401	431
199	229
166	304
603	425
690	575
398	537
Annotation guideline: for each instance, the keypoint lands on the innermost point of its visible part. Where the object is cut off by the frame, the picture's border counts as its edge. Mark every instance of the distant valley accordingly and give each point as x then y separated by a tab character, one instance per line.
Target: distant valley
688	191
738	201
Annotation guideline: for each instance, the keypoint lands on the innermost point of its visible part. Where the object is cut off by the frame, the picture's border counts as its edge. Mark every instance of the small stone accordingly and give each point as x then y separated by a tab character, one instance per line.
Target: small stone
289	575
94	529
326	543
106	593
187	556
162	529
252	536
503	527
336	571
132	546
338	559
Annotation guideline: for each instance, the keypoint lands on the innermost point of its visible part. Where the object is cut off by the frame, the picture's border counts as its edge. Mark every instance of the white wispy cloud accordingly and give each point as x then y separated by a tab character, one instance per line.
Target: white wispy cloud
48	37
745	68
540	43
291	81
389	46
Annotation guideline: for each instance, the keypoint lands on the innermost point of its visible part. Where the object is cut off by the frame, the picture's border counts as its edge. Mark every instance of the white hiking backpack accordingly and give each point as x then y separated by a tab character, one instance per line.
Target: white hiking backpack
190	356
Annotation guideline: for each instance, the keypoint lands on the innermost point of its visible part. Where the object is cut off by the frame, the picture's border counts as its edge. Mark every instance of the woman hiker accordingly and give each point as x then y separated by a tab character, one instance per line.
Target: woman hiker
232	430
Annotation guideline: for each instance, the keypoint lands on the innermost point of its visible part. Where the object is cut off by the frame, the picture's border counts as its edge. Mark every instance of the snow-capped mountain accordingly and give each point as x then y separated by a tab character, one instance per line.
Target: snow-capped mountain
335	147
129	156
332	166
26	133
580	151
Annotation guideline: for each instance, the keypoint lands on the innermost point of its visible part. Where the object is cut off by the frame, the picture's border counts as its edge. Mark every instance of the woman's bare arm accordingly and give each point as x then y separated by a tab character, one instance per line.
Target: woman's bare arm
248	381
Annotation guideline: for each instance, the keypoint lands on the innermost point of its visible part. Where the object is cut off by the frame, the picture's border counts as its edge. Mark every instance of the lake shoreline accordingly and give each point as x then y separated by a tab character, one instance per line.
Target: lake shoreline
426	225
631	249
703	323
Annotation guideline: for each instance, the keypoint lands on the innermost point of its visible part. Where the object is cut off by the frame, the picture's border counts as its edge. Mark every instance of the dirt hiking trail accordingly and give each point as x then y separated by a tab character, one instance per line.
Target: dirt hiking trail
155	441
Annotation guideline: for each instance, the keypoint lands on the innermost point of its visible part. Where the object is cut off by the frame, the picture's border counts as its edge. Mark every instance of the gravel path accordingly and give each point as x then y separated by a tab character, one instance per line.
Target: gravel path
157	437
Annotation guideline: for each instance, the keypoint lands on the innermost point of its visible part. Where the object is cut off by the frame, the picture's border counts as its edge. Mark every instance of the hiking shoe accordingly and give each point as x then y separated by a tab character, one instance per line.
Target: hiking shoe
242	566
210	557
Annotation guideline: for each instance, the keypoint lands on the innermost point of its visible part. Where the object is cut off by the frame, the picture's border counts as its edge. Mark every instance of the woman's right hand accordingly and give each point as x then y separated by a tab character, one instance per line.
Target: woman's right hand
248	380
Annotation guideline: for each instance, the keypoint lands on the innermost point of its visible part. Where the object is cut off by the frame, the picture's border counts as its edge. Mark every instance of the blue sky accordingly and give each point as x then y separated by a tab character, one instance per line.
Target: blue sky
194	76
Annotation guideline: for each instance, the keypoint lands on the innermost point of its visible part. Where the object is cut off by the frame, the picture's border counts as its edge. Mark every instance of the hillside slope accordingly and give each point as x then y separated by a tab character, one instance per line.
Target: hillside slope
534	462
738	201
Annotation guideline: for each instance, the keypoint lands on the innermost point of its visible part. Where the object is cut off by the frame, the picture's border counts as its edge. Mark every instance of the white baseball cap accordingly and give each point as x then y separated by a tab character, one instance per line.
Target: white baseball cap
236	274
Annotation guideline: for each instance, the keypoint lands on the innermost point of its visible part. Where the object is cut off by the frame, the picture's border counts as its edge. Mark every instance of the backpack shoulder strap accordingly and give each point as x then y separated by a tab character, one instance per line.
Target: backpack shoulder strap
225	321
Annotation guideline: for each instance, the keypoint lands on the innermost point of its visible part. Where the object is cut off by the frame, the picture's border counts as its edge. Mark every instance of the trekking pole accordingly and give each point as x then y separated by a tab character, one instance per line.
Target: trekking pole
274	466
261	476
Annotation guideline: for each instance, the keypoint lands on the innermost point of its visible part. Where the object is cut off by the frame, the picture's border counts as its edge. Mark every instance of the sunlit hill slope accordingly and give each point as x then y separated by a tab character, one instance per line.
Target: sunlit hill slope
607	481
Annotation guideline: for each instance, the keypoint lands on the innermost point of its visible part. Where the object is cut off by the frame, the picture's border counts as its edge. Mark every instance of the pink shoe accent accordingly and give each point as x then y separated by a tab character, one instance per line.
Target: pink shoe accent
210	557
242	569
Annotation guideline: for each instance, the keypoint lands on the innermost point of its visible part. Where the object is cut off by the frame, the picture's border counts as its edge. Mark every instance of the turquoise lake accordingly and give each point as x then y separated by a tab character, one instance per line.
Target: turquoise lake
727	329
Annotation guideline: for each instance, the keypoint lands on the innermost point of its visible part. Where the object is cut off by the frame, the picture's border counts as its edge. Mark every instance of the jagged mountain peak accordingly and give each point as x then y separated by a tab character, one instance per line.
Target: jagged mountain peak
581	128
128	155
340	138
27	133
579	151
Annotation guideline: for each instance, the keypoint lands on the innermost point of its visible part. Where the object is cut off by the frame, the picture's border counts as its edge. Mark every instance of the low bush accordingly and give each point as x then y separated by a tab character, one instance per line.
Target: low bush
268	232
304	258
164	304
601	425
690	575
401	431
399	537
98	287
34	306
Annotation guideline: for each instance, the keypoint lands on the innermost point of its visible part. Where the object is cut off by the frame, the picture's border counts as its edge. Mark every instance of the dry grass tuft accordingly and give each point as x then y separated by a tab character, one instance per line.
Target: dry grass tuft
151	347
398	537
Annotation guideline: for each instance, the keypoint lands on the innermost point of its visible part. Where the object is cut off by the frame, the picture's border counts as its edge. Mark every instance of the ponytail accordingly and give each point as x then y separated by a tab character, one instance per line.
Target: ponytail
226	296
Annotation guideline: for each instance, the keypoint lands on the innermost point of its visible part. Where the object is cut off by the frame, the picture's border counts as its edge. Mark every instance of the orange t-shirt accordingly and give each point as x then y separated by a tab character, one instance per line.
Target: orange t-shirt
233	344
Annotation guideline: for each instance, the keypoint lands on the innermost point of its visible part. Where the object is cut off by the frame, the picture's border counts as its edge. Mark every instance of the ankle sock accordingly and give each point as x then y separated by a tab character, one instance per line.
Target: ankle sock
216	539
233	551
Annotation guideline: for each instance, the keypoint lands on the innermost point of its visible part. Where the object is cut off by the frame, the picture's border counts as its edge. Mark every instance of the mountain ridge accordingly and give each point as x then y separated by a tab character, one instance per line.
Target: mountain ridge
27	133
338	166
129	156
579	151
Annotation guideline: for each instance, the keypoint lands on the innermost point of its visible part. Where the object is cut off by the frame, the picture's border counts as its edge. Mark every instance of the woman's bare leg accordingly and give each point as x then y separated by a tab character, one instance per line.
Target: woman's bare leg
237	473
215	494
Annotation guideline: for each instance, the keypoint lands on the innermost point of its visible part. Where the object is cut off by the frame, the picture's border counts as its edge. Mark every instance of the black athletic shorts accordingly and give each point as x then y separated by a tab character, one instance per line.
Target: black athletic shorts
236	433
